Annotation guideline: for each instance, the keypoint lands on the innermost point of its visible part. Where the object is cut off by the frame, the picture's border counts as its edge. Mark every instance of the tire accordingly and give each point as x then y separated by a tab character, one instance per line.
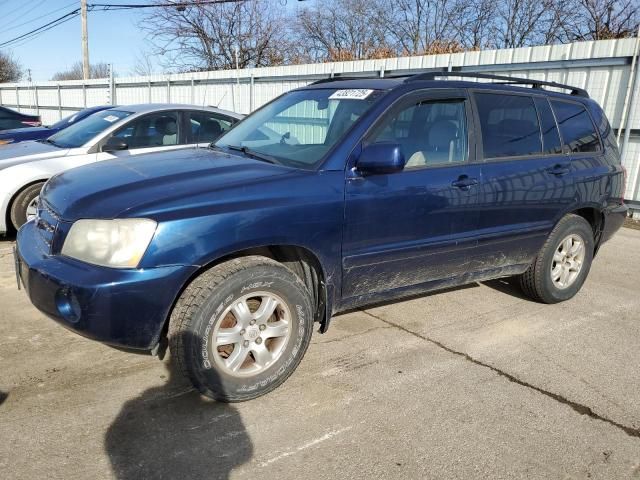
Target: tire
210	308
21	203
542	282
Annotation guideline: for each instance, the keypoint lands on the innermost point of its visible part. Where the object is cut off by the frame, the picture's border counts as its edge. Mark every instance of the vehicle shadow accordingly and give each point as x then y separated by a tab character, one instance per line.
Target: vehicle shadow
507	285
8	238
173	432
3	396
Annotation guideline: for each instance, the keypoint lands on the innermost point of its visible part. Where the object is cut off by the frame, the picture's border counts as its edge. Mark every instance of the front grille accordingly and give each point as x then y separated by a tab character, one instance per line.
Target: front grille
46	222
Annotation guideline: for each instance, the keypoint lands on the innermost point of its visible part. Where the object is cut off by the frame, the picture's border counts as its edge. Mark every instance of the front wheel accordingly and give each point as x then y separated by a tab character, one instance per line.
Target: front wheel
25	205
241	328
562	266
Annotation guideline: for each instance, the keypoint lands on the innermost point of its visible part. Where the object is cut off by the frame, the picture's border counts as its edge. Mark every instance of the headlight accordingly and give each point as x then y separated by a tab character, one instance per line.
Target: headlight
119	243
4	142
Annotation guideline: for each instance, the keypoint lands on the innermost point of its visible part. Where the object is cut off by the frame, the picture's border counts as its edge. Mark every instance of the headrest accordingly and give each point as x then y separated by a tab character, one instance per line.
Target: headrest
210	127
166	126
442	132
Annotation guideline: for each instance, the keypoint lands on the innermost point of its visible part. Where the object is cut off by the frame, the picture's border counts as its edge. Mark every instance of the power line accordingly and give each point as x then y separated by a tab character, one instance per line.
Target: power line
47	26
22	39
39	17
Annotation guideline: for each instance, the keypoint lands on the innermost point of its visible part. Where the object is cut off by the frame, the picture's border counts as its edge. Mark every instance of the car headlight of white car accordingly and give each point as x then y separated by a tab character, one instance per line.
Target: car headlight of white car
118	243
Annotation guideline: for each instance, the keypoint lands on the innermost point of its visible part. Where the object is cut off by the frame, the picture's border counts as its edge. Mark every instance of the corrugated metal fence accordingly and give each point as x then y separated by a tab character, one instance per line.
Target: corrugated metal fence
603	68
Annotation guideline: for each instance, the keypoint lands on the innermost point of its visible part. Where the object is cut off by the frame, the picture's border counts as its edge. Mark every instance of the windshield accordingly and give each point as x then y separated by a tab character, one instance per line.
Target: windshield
81	132
65	121
300	127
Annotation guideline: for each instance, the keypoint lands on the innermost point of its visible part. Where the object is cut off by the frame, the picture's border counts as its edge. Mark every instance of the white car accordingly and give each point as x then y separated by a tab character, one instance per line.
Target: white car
114	133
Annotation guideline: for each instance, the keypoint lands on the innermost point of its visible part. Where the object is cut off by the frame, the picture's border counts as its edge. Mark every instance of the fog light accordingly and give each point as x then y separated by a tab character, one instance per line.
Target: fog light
68	305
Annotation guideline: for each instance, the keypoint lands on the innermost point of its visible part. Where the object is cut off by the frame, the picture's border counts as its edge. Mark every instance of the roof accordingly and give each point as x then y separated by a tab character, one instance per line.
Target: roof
156	107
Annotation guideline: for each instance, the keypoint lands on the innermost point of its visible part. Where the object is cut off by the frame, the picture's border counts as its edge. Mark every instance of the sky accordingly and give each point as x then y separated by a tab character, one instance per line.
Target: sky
114	36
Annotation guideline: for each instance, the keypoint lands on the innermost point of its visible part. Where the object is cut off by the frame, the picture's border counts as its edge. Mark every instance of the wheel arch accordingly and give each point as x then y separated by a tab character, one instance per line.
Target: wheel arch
300	260
14	195
595	217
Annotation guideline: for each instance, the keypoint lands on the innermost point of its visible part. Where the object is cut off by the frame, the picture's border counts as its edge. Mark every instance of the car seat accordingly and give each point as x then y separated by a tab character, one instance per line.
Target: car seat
209	130
166	131
442	137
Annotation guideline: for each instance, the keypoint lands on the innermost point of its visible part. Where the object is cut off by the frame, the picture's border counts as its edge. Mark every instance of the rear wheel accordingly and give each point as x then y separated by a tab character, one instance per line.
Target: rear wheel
240	329
562	266
25	205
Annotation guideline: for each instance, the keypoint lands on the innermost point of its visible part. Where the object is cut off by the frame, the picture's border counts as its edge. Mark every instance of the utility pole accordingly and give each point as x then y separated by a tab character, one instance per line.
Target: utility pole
85	40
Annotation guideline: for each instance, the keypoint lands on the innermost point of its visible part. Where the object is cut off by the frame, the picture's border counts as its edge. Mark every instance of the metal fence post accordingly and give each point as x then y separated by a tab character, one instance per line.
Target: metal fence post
251	91
112	87
193	91
84	94
35	99
59	104
149	89
168	90
18	97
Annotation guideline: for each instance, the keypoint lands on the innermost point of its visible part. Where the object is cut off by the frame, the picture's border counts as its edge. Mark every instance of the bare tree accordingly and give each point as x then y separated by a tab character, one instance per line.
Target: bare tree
143	66
601	19
420	27
344	30
96	70
10	70
208	36
518	23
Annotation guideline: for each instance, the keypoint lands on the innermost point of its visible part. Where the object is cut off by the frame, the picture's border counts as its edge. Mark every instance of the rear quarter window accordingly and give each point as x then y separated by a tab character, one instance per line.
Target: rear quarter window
576	127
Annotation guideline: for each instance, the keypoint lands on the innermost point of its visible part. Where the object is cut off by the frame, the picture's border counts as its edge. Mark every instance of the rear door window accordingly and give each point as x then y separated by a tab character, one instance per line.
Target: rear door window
576	127
206	127
510	126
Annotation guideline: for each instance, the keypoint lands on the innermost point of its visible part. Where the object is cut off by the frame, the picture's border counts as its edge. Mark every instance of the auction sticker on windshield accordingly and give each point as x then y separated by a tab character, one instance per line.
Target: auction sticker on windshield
350	94
111	118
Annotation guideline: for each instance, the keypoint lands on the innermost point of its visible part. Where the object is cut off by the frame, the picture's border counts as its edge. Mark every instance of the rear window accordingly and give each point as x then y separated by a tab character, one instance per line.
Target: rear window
509	125
576	127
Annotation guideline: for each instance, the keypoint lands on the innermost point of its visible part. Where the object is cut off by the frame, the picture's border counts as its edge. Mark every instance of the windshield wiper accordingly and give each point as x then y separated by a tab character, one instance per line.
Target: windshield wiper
252	153
49	141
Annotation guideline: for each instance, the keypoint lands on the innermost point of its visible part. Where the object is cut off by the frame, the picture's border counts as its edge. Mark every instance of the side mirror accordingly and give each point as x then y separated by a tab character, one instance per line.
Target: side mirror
381	158
115	144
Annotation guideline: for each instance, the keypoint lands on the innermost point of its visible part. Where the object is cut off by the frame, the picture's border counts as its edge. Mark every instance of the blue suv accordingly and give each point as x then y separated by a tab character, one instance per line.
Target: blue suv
332	196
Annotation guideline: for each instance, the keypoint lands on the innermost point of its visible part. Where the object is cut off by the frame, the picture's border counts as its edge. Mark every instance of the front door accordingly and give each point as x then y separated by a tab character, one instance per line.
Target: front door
409	228
155	132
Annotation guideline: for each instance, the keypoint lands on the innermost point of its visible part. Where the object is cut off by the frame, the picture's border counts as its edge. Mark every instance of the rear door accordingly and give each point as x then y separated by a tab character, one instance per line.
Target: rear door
528	179
408	228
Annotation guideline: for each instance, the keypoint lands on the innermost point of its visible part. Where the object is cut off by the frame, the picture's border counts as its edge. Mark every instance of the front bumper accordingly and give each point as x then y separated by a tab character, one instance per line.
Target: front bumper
125	308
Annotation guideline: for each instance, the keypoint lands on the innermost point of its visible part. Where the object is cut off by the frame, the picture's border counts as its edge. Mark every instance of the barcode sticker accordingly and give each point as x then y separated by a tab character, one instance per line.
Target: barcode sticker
351	94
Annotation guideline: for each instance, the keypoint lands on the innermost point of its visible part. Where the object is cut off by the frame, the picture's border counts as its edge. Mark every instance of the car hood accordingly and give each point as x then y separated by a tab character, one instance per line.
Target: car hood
153	185
24	152
23	131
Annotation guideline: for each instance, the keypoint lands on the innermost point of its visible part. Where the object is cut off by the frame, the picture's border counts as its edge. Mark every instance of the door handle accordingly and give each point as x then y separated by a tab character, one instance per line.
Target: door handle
464	182
558	169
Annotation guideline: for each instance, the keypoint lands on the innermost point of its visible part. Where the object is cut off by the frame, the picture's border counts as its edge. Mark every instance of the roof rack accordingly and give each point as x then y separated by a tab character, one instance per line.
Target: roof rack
507	80
337	78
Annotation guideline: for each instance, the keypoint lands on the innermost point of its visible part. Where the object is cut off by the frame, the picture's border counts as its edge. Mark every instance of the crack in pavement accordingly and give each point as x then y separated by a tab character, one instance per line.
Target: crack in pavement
581	409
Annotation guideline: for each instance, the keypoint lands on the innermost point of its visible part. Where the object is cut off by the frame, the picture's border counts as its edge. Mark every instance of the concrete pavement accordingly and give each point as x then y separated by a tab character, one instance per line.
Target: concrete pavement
476	382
